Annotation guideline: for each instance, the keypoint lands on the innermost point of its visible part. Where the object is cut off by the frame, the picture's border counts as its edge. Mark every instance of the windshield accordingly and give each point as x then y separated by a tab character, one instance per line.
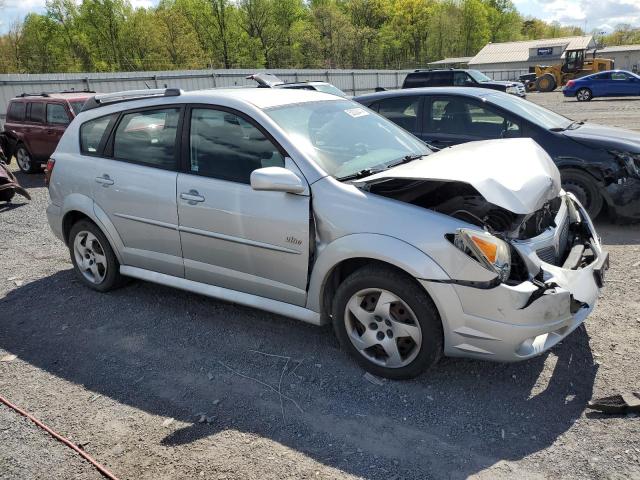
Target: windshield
76	106
478	76
344	137
530	111
328	88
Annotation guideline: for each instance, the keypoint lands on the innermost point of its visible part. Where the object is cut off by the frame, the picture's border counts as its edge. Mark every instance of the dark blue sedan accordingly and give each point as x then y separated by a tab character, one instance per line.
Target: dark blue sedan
612	83
599	165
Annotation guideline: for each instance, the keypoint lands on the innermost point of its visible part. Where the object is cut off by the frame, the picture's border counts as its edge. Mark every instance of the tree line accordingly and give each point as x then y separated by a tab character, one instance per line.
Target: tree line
112	35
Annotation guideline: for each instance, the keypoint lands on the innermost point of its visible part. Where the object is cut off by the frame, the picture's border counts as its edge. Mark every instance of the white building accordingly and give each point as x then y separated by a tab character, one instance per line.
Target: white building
528	53
626	57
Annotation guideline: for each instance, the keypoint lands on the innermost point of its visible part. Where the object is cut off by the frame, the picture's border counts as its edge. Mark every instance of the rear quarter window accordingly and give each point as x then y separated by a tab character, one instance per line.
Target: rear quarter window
91	134
16	111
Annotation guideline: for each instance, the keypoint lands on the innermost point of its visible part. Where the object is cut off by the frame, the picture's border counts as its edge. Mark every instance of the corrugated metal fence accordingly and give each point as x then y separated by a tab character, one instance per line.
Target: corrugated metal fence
353	82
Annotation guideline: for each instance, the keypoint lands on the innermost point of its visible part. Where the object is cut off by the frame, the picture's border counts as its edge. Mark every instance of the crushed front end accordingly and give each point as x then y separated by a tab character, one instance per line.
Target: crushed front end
555	273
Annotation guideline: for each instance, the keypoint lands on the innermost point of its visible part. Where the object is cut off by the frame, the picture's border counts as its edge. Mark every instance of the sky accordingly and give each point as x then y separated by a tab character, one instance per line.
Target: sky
602	15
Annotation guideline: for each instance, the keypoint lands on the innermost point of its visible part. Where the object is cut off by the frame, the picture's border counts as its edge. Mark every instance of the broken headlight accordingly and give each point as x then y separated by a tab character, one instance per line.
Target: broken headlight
631	162
487	249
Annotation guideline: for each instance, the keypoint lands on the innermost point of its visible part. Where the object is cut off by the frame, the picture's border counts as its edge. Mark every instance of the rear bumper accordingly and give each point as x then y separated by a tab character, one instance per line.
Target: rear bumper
514	322
54	217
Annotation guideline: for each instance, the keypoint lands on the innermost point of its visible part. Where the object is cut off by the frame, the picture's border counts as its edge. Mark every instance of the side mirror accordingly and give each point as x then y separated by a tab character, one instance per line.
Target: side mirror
276	179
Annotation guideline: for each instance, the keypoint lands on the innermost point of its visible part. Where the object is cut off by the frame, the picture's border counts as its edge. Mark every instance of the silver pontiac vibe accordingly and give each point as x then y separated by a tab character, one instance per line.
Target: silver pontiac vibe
312	206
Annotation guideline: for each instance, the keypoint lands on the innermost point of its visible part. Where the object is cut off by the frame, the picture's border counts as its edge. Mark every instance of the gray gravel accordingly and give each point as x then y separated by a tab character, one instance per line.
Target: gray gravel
129	374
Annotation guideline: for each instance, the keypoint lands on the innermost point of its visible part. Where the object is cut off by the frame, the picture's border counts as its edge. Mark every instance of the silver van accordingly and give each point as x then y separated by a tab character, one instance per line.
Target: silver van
312	206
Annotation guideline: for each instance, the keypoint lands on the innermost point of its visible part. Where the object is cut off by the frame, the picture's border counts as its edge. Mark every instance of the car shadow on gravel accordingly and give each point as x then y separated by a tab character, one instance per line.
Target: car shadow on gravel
174	354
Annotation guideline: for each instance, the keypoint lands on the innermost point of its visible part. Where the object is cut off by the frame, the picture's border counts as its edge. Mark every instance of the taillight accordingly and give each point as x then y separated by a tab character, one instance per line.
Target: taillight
570	83
47	171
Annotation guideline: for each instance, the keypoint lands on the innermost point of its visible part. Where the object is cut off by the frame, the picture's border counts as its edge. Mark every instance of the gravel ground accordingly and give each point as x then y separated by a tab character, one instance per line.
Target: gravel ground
130	374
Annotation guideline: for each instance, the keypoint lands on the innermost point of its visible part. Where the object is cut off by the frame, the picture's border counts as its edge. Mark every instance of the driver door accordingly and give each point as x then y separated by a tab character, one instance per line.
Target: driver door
233	236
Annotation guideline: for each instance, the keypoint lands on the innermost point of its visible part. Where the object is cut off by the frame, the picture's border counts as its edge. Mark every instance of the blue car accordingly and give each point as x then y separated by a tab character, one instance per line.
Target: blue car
612	83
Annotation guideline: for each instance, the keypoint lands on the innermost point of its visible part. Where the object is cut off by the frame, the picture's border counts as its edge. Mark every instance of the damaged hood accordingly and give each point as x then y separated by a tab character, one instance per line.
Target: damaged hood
515	174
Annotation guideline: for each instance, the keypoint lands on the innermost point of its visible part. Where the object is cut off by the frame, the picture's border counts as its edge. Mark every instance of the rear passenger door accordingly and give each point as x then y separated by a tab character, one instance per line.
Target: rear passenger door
34	127
233	236
134	184
57	120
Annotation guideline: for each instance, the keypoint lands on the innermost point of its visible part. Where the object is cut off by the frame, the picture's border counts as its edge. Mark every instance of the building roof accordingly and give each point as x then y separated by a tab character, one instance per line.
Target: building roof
447	61
619	48
520	51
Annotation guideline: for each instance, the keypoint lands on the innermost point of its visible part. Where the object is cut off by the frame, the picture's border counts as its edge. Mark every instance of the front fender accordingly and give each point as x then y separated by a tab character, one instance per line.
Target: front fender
77	202
383	248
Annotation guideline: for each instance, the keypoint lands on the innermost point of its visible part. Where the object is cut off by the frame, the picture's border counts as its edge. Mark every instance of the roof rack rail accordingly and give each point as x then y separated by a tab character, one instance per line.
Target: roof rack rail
48	94
129	95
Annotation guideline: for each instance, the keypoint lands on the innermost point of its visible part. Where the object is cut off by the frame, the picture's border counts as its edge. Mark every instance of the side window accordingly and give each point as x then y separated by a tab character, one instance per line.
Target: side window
459	116
148	137
56	114
402	111
16	111
461	79
441	79
619	76
225	146
36	112
91	134
603	76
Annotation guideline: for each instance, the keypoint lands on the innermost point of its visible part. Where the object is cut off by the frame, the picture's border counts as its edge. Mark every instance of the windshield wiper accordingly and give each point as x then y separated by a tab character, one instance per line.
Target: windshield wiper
361	174
406	159
370	171
572	126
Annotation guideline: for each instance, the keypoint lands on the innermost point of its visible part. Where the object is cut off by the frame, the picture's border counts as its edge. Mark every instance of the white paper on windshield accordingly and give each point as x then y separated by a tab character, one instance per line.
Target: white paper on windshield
356	112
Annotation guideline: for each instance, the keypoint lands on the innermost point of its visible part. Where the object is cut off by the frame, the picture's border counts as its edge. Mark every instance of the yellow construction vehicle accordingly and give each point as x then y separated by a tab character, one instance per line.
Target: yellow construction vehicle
549	77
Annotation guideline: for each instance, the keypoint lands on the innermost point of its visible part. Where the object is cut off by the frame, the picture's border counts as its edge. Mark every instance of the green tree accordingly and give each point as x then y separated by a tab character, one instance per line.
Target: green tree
474	30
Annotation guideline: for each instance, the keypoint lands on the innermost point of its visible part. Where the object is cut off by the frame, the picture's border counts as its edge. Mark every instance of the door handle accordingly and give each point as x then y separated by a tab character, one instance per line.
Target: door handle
49	132
192	197
105	180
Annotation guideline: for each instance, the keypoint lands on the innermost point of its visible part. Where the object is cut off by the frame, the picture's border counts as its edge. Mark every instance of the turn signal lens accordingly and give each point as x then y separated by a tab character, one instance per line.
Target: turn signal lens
490	251
571	83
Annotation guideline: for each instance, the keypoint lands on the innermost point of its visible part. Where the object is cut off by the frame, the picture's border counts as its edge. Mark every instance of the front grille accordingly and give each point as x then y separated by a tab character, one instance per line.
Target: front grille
547	254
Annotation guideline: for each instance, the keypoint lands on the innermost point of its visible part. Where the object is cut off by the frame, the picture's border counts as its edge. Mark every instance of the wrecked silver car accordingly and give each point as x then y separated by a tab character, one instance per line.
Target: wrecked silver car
312	206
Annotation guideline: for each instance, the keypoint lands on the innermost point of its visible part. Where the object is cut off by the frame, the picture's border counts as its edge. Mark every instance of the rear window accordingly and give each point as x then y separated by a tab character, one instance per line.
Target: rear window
16	111
76	106
57	114
91	134
36	112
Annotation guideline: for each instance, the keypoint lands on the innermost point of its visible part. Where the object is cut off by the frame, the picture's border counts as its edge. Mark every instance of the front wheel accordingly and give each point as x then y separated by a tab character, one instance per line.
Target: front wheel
584	95
387	323
585	189
25	161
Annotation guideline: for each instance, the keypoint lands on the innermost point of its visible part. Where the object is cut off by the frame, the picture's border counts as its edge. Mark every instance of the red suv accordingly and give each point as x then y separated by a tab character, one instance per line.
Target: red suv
35	123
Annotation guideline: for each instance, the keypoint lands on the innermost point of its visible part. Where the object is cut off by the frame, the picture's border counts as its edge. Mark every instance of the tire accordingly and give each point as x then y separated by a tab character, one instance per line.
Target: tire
546	83
583	186
25	161
407	325
584	95
88	244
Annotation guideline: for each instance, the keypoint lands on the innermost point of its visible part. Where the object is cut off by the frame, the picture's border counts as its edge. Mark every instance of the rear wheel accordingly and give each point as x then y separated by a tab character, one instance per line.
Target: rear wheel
546	83
585	189
584	95
387	323
25	161
93	258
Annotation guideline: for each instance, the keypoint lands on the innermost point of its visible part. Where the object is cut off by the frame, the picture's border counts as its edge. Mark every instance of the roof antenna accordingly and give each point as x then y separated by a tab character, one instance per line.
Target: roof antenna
147	85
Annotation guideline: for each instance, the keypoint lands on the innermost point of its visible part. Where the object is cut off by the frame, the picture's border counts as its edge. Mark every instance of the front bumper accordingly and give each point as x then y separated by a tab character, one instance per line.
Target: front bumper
510	323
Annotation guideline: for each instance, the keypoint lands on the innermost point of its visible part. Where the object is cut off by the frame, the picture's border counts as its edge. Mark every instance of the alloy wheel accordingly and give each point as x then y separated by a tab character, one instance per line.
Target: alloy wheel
23	159
90	257
383	328
583	95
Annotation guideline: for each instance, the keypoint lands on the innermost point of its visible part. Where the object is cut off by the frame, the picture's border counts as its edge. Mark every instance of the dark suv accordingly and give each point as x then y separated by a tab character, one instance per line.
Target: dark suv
461	78
35	123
